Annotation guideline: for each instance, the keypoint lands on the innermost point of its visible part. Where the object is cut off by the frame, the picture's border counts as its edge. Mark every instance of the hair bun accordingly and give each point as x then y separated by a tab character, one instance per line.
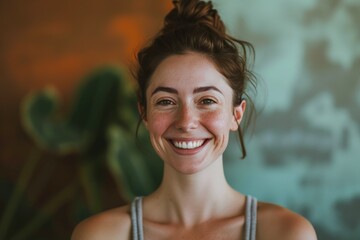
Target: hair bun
193	12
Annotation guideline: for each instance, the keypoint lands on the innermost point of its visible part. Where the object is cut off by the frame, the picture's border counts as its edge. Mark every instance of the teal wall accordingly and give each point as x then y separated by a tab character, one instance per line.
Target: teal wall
304	152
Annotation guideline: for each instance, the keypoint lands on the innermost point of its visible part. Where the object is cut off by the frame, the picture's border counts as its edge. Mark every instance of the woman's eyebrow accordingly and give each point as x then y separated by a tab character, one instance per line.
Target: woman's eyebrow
164	89
196	90
206	88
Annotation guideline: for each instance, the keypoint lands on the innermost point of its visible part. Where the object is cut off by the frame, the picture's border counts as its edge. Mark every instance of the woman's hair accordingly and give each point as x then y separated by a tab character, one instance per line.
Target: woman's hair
195	26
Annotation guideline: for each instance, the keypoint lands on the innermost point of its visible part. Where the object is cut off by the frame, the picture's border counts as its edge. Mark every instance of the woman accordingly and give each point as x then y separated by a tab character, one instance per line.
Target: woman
192	80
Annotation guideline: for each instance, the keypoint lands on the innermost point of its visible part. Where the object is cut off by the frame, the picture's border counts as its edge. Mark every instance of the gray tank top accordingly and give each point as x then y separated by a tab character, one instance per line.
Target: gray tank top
250	218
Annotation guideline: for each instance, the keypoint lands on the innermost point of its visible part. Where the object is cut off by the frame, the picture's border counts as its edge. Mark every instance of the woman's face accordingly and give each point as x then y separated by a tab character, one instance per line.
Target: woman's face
190	112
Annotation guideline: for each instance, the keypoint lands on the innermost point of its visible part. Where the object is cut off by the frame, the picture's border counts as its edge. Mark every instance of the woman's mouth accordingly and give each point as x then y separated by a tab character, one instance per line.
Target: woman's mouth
188	144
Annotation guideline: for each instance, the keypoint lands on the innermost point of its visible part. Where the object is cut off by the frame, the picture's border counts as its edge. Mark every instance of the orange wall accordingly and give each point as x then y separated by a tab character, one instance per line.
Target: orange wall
56	43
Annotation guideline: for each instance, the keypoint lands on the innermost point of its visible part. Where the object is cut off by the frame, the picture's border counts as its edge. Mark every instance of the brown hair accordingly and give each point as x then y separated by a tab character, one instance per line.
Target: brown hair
195	26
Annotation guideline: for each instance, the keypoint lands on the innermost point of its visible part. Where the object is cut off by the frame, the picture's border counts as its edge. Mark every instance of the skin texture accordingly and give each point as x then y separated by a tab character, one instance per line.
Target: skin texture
188	100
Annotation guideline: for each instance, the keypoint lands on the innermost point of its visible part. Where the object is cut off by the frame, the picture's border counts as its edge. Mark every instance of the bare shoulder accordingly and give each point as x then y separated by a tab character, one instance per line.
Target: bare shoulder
111	224
275	222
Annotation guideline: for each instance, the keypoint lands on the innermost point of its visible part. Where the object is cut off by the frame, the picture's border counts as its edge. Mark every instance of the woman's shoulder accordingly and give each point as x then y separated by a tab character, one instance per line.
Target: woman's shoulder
111	224
276	222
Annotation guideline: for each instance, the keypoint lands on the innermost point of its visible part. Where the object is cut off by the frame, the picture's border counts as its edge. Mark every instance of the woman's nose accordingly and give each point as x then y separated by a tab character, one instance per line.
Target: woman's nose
186	118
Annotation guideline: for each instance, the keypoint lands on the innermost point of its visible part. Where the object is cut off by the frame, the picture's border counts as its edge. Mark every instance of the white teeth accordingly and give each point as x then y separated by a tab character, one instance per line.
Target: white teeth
188	145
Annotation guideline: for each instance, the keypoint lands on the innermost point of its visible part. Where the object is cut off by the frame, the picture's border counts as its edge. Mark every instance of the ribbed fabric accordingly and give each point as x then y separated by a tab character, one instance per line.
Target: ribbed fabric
250	218
136	219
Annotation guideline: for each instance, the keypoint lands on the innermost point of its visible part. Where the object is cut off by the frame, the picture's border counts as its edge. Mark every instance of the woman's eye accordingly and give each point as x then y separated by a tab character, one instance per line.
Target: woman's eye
208	101
164	102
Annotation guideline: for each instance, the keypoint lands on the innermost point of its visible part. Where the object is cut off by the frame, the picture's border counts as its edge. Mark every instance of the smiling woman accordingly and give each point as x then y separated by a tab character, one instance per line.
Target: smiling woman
192	80
189	112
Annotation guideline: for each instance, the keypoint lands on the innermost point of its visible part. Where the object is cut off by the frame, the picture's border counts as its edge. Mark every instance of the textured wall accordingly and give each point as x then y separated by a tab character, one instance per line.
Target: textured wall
305	151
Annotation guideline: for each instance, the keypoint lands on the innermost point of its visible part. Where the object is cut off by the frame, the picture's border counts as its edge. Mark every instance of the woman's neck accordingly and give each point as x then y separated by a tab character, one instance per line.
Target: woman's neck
194	198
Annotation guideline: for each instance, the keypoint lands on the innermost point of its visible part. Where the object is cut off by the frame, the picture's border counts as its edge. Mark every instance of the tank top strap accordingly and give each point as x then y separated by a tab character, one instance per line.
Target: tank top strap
137	219
250	218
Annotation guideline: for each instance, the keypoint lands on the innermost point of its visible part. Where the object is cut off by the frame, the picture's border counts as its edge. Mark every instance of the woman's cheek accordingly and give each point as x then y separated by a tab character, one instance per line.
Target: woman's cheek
216	120
157	123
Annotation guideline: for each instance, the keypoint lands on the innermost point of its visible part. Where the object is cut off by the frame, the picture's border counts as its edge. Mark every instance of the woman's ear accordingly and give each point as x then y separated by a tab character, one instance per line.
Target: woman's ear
239	111
142	113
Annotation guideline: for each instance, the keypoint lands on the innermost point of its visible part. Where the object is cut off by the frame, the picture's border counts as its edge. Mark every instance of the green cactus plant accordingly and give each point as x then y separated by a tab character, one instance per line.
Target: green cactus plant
104	113
100	126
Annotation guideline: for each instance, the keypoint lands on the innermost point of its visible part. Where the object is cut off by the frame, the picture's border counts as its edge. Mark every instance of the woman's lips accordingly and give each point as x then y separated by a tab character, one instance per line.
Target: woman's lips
188	144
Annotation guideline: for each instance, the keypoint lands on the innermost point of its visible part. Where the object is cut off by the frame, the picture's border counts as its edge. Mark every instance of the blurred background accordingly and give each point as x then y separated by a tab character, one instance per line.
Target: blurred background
68	111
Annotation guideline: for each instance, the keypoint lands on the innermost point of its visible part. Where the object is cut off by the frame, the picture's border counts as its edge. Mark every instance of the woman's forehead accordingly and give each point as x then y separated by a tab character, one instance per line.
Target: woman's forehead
190	70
